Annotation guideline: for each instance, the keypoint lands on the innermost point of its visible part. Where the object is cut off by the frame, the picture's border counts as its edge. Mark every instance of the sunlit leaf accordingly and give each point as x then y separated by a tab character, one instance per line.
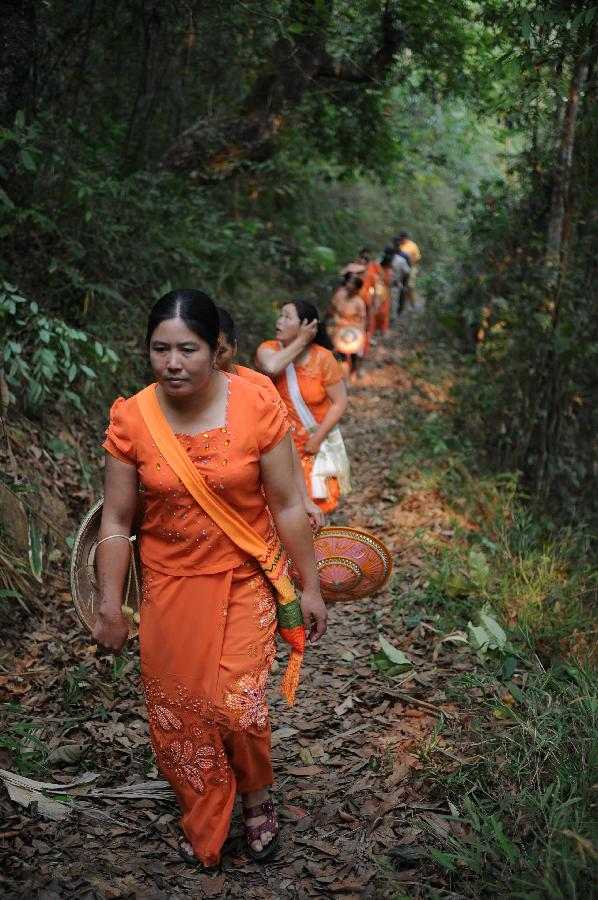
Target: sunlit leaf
27	160
511	852
494	629
396	656
446	861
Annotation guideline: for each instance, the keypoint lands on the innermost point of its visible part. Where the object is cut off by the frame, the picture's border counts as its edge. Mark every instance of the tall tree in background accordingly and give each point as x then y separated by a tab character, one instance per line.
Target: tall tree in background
531	277
298	58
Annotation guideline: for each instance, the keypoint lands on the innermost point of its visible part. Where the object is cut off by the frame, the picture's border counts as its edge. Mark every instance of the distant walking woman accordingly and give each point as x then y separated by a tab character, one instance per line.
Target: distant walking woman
310	382
208	616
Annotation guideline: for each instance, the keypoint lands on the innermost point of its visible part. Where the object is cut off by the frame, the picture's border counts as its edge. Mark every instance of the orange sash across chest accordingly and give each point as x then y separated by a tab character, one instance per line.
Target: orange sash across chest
271	556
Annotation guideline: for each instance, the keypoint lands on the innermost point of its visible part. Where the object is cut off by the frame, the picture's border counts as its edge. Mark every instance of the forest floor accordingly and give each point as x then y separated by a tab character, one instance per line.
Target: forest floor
358	805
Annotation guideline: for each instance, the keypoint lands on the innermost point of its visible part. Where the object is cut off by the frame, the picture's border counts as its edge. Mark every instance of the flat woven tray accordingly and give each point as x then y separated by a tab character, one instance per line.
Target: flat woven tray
84	587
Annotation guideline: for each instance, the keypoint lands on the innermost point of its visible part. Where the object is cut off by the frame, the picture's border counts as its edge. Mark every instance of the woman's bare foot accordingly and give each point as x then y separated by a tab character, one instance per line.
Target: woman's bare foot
255	798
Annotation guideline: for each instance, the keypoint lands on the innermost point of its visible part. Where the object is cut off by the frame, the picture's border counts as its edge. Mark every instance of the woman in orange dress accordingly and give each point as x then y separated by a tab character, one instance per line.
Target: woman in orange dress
225	361
382	295
301	352
208	616
350	310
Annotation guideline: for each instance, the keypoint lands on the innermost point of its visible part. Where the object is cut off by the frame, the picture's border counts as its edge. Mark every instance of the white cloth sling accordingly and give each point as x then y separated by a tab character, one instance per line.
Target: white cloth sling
331	460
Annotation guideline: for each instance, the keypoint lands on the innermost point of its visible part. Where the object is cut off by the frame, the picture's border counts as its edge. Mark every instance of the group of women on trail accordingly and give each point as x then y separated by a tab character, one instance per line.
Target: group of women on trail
372	294
229	467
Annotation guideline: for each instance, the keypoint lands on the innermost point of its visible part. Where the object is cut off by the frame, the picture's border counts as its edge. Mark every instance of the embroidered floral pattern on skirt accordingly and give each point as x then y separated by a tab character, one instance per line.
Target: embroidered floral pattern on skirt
249	700
264	602
186	750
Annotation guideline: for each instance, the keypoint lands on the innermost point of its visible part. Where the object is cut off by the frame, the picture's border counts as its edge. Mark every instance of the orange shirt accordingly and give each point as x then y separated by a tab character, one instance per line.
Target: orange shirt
255	377
372	275
350	311
319	372
367	291
264	381
411	248
176	536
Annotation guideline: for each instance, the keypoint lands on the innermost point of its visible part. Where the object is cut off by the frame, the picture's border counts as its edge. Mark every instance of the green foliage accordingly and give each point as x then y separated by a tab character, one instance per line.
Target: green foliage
538	576
488	636
516	765
532	374
524	304
390	660
103	226
526	828
19	739
44	357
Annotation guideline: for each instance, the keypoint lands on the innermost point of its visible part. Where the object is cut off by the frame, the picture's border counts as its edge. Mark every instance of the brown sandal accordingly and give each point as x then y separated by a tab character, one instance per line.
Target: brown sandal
255	832
190	858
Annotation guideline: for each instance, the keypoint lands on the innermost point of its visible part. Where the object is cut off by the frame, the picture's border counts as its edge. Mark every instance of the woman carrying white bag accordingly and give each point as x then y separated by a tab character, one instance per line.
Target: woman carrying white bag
310	381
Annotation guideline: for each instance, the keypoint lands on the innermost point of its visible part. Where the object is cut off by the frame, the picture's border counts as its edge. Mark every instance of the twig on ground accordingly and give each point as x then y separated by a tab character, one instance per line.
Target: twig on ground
424	704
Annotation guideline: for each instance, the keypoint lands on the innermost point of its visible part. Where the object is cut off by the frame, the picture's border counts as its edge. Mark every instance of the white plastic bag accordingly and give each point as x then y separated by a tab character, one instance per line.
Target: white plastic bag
331	461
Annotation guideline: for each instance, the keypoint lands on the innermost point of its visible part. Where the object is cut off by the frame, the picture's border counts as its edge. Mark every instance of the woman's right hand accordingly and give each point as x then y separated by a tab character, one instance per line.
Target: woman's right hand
110	631
307	331
315	615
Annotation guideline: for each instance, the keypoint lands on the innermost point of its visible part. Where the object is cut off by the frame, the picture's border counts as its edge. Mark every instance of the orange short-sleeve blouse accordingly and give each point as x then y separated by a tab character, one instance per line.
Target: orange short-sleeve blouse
176	536
319	372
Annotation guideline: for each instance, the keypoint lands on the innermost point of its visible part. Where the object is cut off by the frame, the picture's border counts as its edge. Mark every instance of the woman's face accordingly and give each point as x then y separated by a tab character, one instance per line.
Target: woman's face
225	355
182	361
287	324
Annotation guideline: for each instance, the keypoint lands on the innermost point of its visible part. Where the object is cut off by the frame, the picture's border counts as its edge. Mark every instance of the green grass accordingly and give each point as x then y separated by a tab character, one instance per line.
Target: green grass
525	822
522	821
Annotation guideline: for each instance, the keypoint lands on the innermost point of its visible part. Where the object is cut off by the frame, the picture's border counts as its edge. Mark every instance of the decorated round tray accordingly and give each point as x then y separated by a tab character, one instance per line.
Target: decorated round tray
351	563
348	339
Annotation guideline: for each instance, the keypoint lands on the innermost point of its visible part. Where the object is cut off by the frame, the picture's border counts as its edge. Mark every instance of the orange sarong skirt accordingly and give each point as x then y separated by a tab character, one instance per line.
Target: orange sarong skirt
207	644
382	313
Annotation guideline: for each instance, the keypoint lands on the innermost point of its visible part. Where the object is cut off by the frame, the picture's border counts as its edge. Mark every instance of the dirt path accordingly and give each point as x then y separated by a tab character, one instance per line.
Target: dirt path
347	756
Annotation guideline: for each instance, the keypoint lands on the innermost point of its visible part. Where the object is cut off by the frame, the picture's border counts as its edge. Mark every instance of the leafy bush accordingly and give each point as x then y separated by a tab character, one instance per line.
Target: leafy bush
44	357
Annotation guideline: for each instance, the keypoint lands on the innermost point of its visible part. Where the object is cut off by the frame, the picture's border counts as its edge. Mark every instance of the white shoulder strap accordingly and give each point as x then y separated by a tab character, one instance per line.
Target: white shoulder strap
303	411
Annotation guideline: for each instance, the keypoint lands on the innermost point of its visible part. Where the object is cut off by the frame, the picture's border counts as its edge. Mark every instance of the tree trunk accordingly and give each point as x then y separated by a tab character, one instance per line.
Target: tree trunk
562	175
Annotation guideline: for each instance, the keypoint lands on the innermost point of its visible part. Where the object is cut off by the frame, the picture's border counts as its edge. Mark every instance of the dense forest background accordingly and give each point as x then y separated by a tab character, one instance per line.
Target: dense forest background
250	149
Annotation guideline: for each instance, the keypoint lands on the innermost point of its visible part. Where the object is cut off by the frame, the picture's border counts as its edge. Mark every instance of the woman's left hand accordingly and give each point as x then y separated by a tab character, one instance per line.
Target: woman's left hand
317	518
315	615
312	445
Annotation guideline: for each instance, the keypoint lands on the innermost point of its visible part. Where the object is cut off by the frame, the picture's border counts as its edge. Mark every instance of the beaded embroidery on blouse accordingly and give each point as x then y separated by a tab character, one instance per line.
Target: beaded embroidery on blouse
209	446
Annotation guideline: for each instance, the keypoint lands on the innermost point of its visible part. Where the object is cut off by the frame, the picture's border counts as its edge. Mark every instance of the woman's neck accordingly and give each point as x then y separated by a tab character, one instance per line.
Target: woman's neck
303	356
195	412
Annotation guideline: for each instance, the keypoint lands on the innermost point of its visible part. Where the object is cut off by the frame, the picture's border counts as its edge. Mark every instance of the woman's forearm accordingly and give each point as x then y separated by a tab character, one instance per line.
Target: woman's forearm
276	361
331	418
293	527
112	564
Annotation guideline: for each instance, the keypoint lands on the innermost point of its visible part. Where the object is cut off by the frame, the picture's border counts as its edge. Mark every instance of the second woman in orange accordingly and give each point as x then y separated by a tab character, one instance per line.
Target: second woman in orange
303	368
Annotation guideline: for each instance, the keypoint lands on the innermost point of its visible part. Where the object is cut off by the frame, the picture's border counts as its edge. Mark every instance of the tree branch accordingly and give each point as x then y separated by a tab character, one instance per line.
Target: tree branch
214	150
